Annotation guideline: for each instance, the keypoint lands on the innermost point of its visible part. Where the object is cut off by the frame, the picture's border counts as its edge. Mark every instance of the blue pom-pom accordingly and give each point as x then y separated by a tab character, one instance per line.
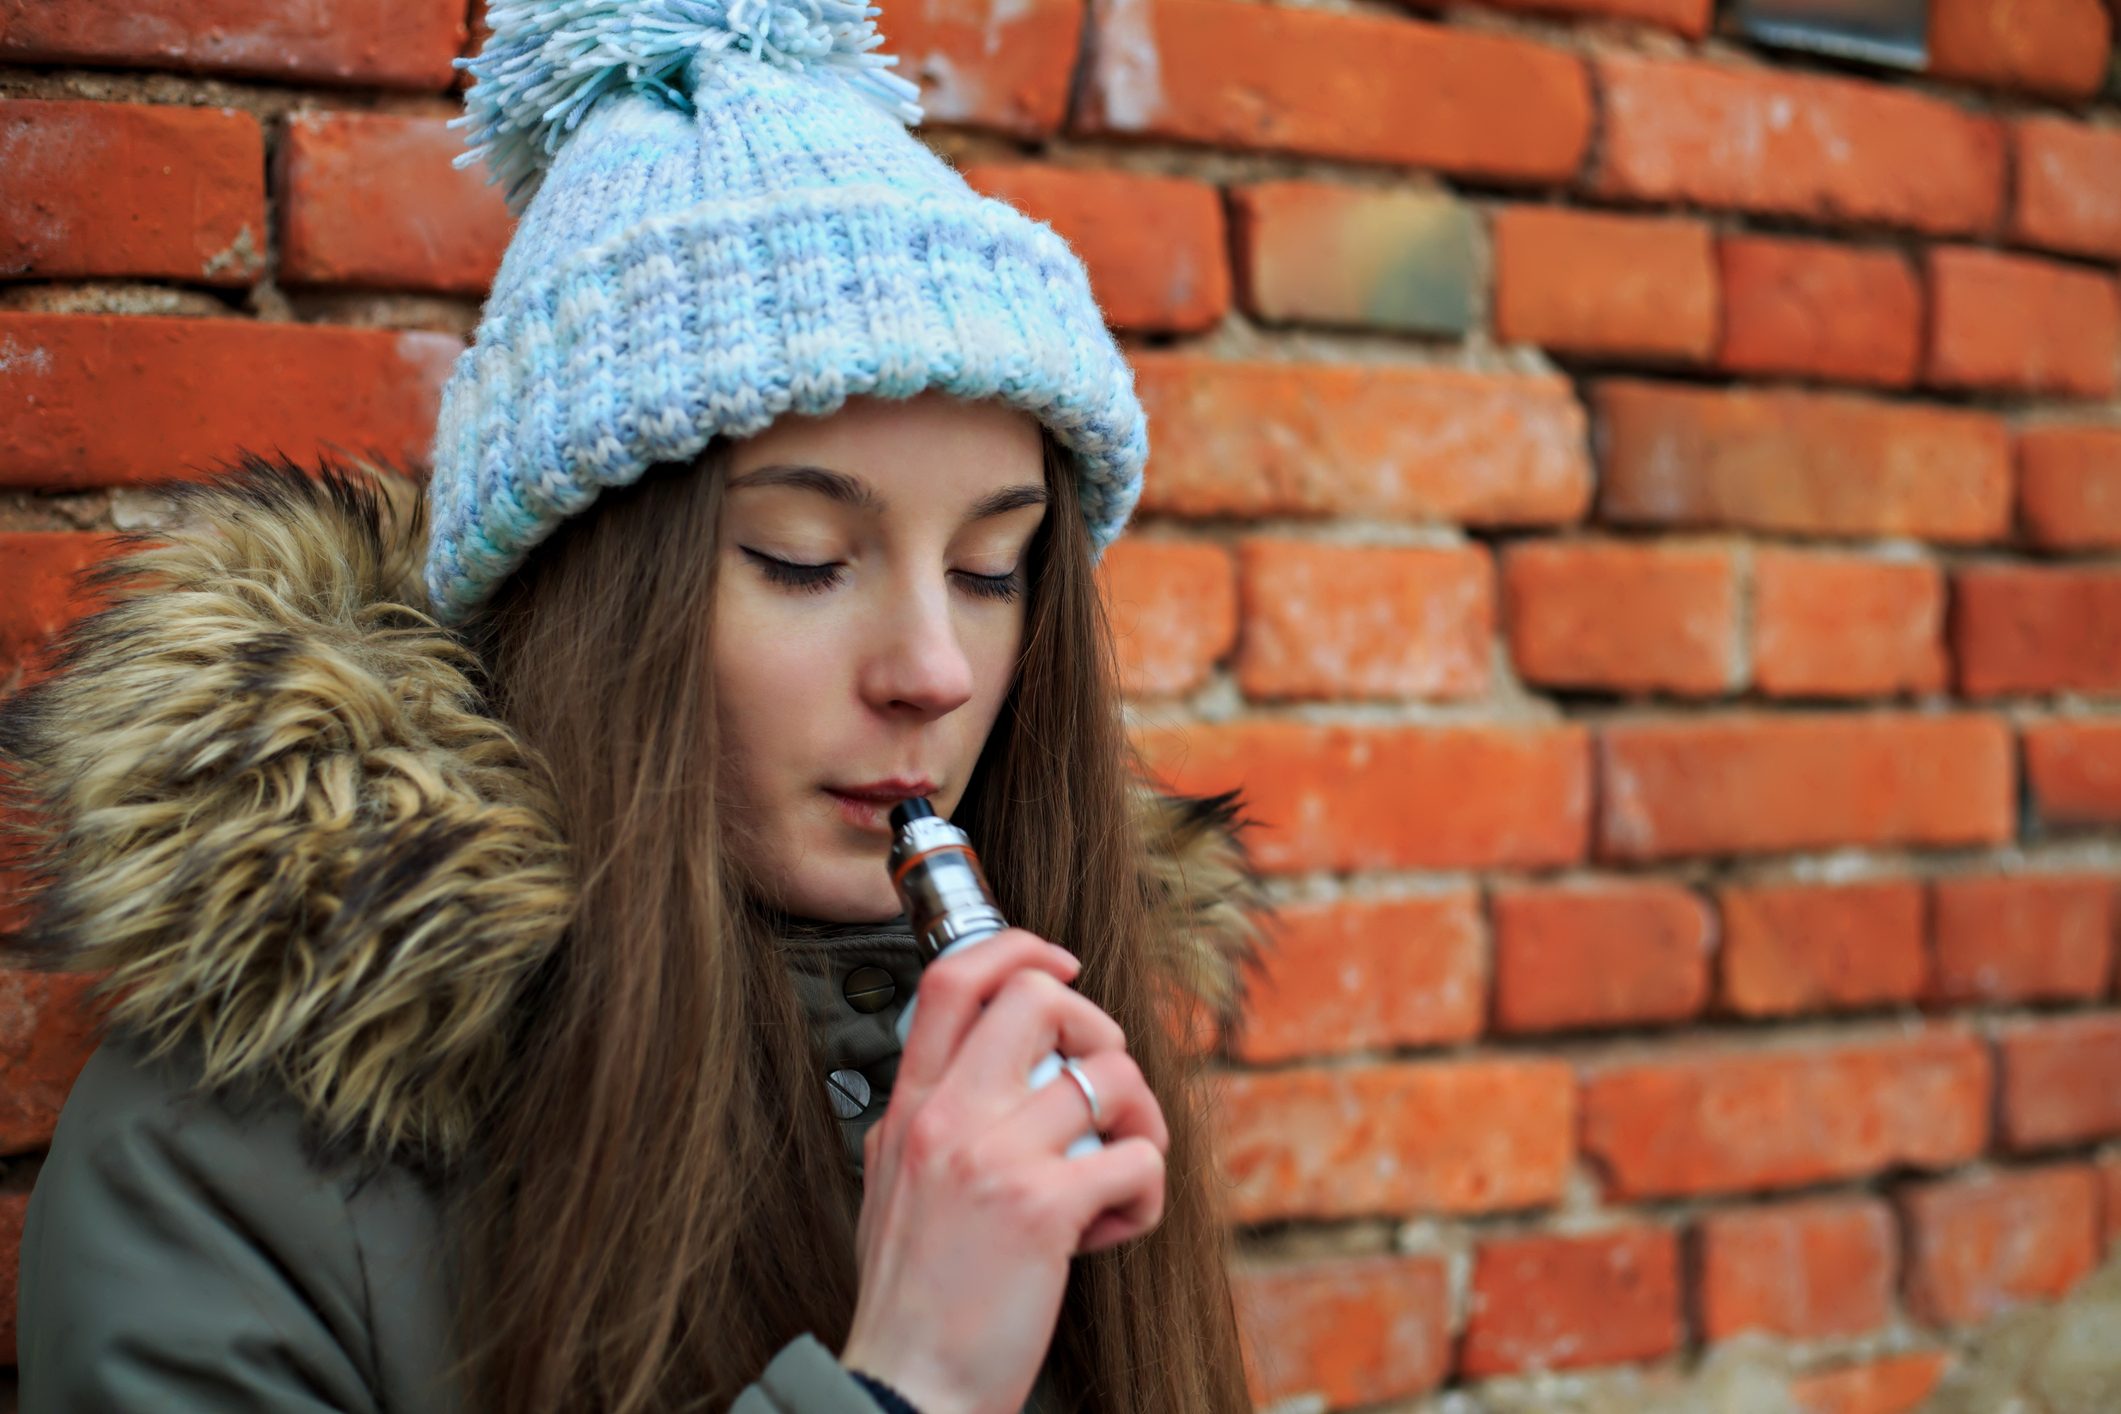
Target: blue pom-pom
550	61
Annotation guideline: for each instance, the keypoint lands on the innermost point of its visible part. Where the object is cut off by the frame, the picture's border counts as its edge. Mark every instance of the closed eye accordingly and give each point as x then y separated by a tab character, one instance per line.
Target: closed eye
816	579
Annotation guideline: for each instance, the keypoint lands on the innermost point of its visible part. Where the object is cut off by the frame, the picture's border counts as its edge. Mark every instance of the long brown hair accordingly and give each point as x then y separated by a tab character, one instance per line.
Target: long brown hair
660	1199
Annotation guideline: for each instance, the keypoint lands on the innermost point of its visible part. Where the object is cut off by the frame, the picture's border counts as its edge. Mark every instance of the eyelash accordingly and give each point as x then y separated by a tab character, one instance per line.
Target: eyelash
816	579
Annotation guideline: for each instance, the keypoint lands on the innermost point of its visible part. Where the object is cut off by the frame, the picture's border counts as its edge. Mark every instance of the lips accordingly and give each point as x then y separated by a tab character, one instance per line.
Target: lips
885	792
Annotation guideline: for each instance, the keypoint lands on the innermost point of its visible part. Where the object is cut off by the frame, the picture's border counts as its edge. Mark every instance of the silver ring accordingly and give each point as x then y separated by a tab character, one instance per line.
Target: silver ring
1082	1081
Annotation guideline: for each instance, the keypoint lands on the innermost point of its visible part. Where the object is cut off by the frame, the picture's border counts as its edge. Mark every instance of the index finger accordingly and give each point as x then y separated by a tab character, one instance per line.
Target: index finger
953	992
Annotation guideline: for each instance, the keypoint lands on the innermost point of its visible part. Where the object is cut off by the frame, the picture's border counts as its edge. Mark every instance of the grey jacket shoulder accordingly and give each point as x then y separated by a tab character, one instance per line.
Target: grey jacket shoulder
185	1254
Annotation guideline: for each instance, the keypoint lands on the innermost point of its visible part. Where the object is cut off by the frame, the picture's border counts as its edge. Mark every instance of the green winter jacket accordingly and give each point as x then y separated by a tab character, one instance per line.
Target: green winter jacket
320	878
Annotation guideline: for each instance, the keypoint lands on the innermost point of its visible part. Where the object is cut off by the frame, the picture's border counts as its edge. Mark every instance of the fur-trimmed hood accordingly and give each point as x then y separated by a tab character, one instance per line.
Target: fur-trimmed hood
260	788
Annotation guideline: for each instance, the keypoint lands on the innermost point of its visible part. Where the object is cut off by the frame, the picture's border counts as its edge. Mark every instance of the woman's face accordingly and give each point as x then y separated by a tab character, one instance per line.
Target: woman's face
867	621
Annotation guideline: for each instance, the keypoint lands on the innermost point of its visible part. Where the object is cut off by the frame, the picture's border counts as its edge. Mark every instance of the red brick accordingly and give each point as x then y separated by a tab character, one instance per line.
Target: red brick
1897	1384
1691	1120
178	193
1368	974
1979	1246
1005	68
2109	1173
2074	771
2017	323
2069	487
1831	625
1359	87
2056	47
1808	1270
1345	1330
13	1206
1756	782
1813	309
92	400
1790	948
1609	954
372	199
1559	1303
2068	187
1324	253
1388	797
1784	143
2061	1080
2036	629
1801	463
378	43
2040	938
1687	17
1154	246
1327	620
1172	605
1622	616
1594	283
1261	438
47	1029
1447	1137
37	597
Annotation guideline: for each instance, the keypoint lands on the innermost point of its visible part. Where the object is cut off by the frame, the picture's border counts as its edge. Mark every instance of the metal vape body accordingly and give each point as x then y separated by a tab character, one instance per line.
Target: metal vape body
939	883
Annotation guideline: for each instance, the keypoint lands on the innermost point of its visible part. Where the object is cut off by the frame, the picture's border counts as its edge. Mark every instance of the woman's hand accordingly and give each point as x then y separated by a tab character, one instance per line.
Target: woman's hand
970	1211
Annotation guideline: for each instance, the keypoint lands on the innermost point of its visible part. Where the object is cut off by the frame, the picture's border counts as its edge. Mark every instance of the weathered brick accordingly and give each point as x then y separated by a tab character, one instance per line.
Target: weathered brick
1327	620
37	596
1346	1330
2018	323
1979	1246
1353	797
1610	954
373	43
2037	938
2108	1170
1262	438
1809	1269
1814	309
47	1029
1687	17
1564	1302
1622	616
178	193
2055	47
91	400
1789	948
2067	194
1590	282
1692	1120
1752	782
1447	1137
2069	487
371	199
1172	605
1368	974
2036	629
1832	625
2073	769
1154	246
1003	68
1382	258
1335	85
13	1207
1897	1384
1784	143
1800	463
2061	1080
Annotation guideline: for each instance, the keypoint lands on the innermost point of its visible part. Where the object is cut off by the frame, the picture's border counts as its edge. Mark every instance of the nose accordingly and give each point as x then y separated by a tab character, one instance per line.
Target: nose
919	659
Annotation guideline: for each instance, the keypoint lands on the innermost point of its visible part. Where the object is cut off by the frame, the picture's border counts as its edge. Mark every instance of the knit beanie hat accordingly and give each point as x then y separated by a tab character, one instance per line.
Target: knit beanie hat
724	218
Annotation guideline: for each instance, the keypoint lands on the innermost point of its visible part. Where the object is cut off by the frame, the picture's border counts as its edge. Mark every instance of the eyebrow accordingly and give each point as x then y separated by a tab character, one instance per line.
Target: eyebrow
855	492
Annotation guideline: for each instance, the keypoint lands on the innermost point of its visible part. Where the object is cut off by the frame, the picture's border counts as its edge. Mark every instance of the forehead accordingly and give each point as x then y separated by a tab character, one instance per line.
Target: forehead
876	455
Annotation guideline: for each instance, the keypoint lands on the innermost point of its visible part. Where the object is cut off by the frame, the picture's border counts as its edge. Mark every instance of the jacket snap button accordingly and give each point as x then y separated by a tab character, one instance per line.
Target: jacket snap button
870	989
850	1093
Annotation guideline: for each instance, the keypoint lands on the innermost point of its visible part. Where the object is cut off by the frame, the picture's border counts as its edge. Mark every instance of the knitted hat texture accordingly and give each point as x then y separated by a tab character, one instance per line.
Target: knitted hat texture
723	218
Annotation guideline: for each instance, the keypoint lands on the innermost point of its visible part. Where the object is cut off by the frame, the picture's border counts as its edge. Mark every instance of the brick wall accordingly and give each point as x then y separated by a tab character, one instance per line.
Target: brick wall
1640	512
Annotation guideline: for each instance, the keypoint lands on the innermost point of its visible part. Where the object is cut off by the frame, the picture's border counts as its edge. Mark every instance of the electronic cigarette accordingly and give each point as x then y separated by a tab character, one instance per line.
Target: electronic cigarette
939	883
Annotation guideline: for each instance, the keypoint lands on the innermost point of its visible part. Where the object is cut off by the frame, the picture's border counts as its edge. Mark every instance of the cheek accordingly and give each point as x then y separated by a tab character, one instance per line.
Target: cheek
766	689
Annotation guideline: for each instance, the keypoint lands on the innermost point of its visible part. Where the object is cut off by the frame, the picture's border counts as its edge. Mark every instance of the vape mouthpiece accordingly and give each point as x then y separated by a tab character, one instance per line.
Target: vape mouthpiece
913	807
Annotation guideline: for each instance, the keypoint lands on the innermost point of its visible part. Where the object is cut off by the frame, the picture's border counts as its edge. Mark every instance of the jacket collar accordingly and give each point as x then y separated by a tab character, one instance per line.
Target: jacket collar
263	794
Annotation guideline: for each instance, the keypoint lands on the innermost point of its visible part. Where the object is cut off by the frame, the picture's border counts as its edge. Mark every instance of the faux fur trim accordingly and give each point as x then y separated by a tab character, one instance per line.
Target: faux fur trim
260	789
